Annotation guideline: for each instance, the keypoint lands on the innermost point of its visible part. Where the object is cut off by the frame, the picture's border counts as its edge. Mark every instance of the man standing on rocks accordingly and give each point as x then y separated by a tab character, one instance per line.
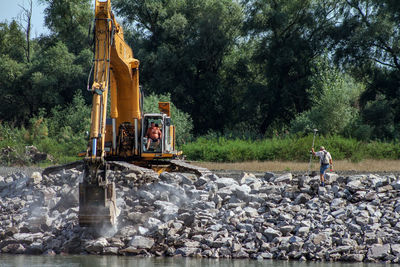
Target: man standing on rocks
325	159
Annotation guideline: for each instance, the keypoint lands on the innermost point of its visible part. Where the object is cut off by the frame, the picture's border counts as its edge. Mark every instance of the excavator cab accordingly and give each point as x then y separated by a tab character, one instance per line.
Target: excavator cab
164	145
149	144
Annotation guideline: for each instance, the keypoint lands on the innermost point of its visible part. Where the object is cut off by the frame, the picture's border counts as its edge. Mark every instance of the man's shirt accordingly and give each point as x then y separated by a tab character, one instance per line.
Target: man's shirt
321	155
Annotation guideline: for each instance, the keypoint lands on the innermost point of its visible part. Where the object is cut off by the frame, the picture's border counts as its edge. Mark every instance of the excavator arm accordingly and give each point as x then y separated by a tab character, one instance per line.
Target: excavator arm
115	69
120	138
115	73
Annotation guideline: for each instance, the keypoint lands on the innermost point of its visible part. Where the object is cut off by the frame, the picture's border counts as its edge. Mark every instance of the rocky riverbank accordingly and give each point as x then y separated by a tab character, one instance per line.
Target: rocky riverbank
285	216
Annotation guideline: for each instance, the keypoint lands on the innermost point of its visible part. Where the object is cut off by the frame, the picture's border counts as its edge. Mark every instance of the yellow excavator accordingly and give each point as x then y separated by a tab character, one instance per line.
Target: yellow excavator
123	136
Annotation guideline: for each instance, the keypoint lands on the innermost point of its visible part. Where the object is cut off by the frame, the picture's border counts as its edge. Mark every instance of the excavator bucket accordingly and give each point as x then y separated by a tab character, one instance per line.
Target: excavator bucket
97	203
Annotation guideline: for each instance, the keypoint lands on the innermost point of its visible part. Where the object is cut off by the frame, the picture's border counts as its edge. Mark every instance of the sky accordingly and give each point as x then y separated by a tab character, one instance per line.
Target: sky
10	9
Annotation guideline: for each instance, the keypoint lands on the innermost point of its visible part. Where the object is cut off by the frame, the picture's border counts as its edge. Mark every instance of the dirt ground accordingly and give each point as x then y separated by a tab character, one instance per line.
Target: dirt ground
235	169
370	166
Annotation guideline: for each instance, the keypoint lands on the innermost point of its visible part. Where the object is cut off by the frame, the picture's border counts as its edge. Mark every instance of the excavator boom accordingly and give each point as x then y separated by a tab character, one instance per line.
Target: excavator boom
122	135
113	65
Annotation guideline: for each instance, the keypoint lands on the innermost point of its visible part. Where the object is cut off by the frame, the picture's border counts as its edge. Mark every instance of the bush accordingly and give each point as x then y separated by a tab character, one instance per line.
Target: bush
12	145
62	134
182	120
334	101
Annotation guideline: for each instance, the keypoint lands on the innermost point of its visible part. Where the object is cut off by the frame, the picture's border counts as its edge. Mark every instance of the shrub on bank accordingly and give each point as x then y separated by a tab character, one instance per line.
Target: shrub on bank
290	148
65	146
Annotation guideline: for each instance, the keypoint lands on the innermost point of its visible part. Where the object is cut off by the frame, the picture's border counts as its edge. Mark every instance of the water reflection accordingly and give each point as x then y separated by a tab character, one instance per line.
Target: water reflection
114	261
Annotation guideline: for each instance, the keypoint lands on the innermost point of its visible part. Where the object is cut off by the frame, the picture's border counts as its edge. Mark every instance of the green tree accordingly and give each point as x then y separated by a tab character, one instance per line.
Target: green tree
380	104
54	77
367	39
69	20
12	41
335	108
241	79
12	69
182	45
289	36
70	120
13	106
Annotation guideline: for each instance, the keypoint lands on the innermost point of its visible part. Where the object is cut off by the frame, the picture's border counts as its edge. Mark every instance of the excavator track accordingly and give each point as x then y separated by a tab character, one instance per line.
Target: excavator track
183	166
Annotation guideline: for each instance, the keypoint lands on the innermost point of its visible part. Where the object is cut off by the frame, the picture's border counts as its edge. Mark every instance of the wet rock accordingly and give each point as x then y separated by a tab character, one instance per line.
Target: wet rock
132	251
27	238
72	245
187	251
97	245
14	249
354	257
141	242
35	248
111	250
378	251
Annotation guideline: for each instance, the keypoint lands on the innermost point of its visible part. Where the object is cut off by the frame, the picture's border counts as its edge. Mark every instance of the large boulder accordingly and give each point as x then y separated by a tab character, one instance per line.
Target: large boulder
141	242
378	251
34	154
224	182
284	178
271	233
96	246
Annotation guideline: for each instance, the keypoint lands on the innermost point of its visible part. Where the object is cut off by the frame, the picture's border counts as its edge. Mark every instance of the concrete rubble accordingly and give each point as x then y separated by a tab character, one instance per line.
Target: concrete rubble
354	218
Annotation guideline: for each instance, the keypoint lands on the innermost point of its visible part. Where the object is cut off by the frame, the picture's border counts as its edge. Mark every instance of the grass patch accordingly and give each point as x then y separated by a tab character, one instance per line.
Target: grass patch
287	149
13	143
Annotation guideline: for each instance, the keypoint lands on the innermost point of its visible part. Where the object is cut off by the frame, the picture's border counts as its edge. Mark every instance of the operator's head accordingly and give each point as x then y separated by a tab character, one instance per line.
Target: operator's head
152	124
156	125
322	148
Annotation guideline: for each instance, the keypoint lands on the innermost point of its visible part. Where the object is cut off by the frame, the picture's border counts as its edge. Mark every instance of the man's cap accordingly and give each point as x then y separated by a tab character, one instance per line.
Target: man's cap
322	148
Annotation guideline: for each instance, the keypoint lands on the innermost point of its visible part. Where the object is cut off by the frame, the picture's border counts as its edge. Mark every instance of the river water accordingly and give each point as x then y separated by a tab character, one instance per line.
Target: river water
115	261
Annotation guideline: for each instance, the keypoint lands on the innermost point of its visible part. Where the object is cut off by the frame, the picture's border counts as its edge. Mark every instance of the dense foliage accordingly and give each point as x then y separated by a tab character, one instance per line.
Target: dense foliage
249	69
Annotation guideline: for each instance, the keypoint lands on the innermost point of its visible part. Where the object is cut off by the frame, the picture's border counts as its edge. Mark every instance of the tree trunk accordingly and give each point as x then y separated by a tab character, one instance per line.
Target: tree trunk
27	17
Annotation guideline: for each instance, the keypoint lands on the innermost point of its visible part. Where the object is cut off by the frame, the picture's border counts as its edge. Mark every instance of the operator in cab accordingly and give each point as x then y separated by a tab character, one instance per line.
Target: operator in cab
153	135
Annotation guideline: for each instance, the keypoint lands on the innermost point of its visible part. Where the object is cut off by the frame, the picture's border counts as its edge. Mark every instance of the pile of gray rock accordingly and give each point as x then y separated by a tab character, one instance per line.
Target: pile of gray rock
353	218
